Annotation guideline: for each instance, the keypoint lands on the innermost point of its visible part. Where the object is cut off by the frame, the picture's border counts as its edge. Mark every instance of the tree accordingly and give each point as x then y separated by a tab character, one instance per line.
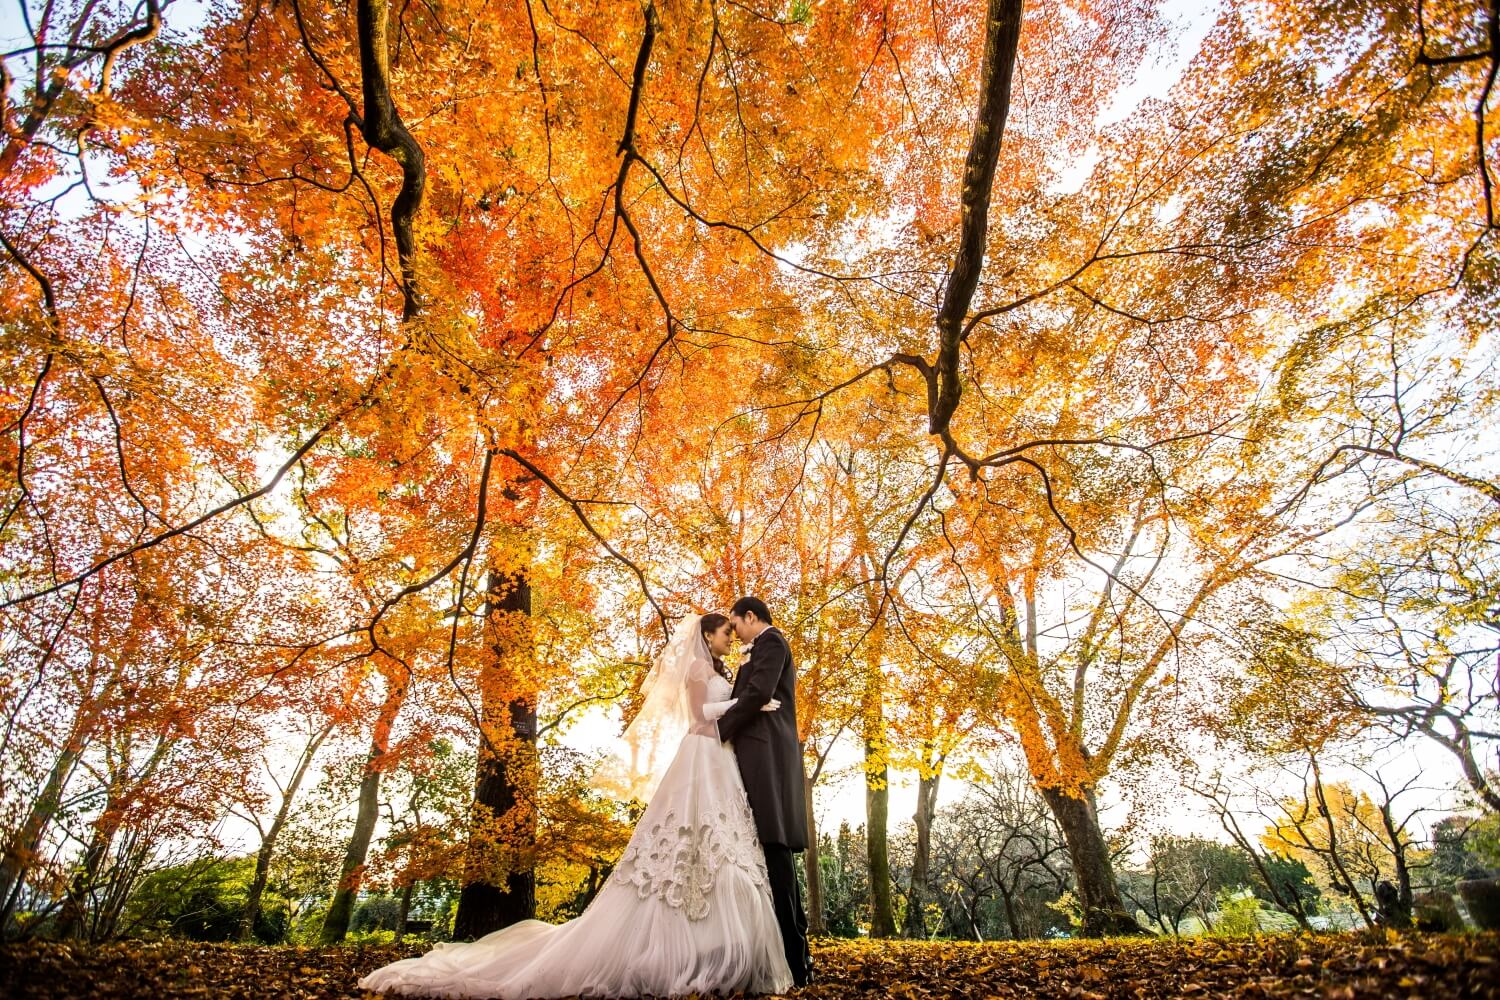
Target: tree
270	832
1463	846
1301	172
1187	874
1413	623
1353	842
203	900
351	872
1000	843
499	886
843	860
305	869
426	799
1282	880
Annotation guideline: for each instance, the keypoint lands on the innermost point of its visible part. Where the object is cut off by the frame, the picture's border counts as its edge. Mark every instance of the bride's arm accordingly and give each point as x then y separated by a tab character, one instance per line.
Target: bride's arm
697	695
706	713
713	710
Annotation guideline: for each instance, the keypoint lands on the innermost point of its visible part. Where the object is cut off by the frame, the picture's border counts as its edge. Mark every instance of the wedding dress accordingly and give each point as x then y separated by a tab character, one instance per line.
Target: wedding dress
687	908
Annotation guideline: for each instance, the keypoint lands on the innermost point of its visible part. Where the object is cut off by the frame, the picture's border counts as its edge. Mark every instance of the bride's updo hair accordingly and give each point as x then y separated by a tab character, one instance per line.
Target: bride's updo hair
708	625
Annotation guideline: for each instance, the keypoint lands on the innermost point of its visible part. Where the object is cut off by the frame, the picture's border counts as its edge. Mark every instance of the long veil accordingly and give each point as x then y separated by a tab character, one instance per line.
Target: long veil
639	760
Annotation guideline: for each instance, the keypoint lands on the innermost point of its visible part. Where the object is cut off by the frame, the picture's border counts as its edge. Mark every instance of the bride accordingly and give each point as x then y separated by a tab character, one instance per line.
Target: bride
688	907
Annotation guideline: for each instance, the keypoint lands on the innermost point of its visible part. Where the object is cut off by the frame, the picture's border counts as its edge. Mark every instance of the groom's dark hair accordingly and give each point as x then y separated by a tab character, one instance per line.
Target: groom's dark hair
755	604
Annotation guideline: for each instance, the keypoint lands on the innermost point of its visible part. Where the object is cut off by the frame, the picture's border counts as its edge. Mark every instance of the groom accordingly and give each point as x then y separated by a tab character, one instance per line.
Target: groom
770	759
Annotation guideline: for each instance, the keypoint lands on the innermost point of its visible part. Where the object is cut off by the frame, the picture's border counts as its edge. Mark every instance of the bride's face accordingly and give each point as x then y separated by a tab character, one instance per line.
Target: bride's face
718	640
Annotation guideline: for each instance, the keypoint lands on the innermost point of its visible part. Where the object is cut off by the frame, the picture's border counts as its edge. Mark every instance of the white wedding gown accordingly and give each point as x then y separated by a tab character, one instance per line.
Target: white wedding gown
686	910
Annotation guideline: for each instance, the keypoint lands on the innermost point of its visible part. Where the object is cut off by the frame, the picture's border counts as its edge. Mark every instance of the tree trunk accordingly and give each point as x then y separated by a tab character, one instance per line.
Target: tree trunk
1007	901
268	841
877	787
1402	915
500	886
262	875
812	865
71	917
1099	894
1462	746
81	887
23	846
336	923
1205	912
596	881
877	810
383	128
1332	858
405	909
916	918
129	860
341	910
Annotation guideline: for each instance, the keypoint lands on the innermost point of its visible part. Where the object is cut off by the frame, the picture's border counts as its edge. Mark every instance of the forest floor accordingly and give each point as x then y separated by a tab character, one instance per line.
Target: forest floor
1429	967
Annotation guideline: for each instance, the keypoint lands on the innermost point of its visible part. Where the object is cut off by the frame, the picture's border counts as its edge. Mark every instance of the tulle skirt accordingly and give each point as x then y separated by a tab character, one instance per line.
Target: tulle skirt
686	910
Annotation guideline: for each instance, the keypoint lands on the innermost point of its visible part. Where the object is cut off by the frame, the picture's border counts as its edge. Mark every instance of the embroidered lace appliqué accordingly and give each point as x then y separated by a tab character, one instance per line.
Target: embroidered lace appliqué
678	861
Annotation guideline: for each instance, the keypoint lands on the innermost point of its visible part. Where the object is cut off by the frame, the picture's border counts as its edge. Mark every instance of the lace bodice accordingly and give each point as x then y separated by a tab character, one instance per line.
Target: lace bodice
707	700
718	689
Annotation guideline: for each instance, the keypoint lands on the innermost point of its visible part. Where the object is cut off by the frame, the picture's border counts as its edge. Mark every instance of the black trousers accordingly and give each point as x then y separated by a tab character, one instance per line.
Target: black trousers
786	898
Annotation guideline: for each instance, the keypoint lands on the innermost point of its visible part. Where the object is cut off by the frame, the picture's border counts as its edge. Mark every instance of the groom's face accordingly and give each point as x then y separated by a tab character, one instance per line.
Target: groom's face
744	626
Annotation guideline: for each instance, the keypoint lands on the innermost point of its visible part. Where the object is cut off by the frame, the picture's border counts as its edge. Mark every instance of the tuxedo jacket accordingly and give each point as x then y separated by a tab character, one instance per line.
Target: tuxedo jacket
766	744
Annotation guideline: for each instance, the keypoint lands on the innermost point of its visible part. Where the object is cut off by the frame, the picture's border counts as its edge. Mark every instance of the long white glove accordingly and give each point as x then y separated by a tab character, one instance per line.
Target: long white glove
715	709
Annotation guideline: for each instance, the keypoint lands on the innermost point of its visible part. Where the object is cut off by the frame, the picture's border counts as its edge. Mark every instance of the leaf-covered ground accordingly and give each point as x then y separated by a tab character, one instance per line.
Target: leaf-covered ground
1428	967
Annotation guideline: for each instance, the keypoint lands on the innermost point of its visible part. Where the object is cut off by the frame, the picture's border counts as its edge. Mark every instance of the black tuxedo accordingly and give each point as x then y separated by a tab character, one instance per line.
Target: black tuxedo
770	761
766	743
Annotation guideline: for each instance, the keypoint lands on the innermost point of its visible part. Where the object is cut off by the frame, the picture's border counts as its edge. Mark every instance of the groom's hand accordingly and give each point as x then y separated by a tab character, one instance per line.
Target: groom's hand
770	706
